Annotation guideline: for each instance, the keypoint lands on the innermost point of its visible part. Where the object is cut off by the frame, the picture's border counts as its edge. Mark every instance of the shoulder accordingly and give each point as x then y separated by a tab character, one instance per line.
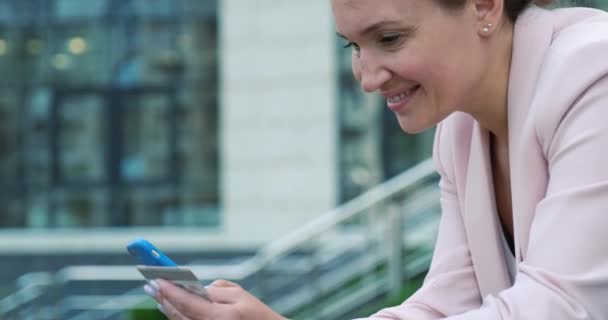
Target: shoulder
574	63
577	31
578	48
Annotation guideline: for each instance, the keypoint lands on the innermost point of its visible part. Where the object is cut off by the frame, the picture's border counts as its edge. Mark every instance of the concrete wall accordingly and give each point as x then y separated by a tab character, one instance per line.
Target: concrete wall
278	127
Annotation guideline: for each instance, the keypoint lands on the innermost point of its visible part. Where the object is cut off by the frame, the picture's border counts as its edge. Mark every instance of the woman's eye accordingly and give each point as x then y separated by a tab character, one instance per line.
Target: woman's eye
390	39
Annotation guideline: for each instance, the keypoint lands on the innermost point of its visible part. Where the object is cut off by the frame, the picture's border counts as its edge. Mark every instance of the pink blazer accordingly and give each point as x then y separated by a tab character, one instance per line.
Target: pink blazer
558	136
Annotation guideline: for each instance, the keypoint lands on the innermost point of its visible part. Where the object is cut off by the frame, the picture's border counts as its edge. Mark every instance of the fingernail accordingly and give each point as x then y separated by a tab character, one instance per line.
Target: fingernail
150	291
161	308
154	285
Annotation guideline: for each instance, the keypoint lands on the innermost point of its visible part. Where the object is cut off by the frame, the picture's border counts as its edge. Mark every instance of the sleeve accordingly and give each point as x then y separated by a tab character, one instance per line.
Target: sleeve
564	275
450	286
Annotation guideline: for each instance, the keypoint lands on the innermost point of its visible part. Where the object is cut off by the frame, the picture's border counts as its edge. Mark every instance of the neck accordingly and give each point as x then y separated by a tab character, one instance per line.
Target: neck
491	109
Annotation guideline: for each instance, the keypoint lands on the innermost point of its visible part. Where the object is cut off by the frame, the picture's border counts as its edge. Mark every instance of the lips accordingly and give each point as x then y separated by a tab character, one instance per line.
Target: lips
399	101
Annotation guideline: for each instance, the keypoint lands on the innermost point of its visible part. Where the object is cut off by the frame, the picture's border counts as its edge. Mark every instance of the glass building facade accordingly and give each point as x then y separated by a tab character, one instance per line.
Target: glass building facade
108	113
109	117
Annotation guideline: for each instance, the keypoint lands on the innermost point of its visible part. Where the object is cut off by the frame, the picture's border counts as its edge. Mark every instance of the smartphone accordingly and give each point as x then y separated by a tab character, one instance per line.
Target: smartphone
148	254
157	265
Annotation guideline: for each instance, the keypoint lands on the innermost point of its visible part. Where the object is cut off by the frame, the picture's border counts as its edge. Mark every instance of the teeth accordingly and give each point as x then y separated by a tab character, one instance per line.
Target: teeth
397	98
401	96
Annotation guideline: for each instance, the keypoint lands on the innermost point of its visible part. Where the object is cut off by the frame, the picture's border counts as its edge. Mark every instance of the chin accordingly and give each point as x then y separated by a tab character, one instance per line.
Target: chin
412	128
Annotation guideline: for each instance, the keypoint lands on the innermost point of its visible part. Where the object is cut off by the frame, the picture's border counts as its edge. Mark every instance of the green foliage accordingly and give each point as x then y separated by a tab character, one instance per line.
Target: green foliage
410	287
146	314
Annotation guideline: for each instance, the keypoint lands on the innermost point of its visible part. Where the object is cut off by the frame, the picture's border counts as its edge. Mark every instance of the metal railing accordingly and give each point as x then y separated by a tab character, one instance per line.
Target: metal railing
362	250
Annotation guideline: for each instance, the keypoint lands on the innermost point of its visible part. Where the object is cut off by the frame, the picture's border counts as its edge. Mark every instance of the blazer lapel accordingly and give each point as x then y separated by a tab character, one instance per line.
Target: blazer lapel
481	219
532	36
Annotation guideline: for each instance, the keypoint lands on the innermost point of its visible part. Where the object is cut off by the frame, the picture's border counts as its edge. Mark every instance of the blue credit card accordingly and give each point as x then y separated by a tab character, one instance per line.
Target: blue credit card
148	254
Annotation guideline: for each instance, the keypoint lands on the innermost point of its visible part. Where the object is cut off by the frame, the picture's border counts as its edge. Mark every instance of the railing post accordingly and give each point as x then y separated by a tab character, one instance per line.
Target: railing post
261	282
317	281
395	242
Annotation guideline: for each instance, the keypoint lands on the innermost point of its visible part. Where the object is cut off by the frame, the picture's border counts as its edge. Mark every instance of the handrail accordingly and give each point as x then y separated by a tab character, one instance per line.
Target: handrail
32	285
401	183
129	273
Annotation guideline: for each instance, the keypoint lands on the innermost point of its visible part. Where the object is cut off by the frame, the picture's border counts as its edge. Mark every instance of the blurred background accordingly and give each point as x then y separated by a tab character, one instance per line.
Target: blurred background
230	133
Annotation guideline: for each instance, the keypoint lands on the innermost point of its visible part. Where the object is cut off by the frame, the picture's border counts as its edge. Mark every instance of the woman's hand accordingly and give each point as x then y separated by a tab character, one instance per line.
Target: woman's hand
229	302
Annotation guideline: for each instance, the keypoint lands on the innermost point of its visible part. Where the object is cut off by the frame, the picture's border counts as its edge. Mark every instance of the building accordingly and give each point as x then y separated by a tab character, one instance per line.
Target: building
205	125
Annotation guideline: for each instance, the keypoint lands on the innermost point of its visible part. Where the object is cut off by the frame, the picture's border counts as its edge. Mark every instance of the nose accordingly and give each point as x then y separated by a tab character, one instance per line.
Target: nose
370	72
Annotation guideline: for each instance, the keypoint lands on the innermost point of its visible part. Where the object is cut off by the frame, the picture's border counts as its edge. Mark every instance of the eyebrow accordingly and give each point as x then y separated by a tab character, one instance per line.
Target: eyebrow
378	25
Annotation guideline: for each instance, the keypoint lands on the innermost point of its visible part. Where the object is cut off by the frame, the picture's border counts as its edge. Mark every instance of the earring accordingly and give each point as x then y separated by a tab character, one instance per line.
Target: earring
486	29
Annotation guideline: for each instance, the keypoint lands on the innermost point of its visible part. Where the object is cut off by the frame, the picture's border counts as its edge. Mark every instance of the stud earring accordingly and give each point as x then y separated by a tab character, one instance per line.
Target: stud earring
486	29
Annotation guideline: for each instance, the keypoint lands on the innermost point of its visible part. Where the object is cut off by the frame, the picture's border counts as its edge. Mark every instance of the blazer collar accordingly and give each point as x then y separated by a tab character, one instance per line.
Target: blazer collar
531	38
484	232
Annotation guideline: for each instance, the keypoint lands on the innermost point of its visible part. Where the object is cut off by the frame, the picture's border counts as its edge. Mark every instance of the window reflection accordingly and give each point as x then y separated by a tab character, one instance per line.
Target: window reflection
146	152
73	208
108	115
81	139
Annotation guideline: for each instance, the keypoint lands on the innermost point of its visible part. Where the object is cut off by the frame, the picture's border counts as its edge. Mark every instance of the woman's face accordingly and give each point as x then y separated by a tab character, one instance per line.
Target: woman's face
425	60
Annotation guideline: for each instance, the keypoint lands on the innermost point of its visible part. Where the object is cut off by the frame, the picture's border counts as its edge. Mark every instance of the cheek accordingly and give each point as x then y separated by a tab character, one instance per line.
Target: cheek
409	65
420	71
438	96
453	85
439	76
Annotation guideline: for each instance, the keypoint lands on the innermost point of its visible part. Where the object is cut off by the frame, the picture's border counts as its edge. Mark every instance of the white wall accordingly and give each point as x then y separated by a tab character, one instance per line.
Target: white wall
278	116
278	136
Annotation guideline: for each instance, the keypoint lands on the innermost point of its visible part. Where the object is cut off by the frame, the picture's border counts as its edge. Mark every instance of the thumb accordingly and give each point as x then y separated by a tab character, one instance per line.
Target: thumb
223	283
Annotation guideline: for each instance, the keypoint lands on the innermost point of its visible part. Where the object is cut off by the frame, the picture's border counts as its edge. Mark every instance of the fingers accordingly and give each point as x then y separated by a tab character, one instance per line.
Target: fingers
170	311
151	289
188	304
179	304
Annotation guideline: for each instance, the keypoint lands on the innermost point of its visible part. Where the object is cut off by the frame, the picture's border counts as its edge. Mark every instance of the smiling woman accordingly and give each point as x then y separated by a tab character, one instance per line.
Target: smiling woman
518	94
406	50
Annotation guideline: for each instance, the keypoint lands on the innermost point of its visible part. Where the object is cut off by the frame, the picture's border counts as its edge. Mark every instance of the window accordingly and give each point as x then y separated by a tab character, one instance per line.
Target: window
109	118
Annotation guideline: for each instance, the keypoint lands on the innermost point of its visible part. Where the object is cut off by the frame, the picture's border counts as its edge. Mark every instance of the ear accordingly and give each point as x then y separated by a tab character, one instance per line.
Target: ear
489	15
